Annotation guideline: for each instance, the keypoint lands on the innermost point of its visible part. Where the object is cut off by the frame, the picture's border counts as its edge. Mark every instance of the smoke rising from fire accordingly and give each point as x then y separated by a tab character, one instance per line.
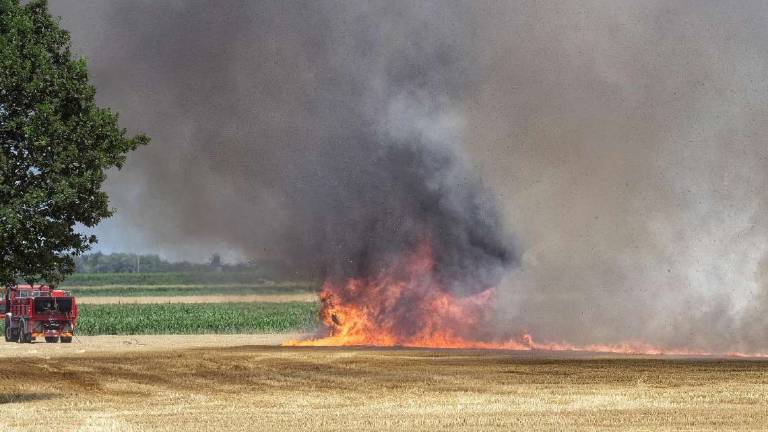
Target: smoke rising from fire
325	135
623	141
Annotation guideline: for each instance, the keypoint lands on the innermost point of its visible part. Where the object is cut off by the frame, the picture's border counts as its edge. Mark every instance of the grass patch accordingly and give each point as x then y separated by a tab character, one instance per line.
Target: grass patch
196	318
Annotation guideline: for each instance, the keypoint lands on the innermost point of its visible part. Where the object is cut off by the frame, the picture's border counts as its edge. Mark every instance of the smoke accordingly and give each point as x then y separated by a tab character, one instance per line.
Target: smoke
328	135
628	140
623	142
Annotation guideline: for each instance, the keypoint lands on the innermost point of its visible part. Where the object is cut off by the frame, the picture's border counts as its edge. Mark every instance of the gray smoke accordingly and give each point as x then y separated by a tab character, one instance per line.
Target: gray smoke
628	139
625	142
322	134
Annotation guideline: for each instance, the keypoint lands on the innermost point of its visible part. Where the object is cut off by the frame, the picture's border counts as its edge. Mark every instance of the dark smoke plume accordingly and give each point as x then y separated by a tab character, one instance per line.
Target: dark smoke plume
315	133
624	140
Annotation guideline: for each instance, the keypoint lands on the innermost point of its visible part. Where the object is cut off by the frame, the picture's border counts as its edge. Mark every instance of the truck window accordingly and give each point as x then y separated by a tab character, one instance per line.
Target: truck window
53	304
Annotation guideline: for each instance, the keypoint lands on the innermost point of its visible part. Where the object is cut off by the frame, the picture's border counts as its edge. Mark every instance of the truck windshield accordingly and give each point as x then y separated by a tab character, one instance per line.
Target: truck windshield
53	304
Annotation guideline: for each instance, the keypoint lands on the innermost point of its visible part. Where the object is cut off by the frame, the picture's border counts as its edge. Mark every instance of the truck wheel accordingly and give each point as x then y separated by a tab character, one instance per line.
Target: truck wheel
66	339
51	339
9	334
24	337
8	330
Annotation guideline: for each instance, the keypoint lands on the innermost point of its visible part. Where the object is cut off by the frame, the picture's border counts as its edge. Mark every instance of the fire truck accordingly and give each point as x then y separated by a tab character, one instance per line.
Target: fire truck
33	311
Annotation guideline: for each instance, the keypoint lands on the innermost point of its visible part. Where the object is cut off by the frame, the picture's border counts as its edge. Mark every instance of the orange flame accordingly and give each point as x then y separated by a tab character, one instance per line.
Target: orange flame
404	305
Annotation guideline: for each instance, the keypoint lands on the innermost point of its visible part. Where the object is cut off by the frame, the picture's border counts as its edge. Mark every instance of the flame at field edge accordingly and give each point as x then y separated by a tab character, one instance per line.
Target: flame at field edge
406	306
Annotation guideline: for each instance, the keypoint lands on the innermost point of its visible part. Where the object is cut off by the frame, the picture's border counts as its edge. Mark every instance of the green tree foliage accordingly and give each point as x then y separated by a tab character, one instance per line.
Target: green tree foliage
55	145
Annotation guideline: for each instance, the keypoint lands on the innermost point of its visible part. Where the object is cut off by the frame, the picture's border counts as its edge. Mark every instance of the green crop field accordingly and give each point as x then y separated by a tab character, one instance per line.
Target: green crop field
186	290
196	318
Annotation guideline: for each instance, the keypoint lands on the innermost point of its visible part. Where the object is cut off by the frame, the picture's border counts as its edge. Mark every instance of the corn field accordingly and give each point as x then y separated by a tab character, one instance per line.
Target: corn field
195	318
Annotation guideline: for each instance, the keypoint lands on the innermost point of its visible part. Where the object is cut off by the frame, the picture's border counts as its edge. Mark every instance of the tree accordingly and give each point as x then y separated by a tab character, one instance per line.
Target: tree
55	145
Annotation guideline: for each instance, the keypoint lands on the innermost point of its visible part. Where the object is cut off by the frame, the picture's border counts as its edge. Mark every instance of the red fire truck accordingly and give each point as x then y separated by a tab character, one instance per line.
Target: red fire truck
33	311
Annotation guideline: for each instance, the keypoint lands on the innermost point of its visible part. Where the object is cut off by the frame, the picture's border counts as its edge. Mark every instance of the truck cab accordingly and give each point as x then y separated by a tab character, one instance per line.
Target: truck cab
33	311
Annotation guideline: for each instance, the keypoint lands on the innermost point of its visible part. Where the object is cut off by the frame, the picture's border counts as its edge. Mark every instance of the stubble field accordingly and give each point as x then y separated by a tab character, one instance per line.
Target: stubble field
152	387
135	375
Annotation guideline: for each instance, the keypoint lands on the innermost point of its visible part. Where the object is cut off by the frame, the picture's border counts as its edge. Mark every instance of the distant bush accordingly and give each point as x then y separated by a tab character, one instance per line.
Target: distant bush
134	263
171	278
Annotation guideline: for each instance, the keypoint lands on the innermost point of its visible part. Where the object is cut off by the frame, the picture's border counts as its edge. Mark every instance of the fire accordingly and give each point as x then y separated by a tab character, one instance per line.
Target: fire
405	305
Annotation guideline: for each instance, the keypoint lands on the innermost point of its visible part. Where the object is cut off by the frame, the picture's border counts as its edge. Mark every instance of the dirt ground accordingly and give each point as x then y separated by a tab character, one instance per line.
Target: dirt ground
185	383
251	298
118	345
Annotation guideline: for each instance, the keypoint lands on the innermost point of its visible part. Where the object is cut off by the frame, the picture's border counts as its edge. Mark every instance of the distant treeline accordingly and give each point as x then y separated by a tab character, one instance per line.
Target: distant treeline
231	278
134	263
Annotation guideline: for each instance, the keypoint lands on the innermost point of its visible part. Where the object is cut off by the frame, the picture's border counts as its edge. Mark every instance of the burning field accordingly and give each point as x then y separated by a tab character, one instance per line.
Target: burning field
523	216
405	305
497	176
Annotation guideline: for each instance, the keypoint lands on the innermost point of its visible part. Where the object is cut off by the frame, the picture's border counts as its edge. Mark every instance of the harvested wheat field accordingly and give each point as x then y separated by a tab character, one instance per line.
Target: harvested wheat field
117	345
274	388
